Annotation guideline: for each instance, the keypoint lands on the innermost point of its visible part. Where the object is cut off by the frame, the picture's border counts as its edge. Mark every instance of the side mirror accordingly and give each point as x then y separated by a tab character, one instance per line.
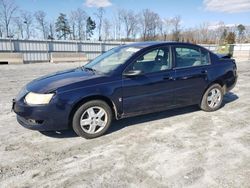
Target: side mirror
132	73
141	58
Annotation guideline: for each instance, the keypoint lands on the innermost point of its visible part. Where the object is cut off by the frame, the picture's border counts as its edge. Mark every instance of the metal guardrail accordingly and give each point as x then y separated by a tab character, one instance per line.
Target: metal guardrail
40	50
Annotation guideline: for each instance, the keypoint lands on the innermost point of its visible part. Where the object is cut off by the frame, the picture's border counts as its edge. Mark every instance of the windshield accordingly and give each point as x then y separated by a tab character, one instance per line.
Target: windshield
111	59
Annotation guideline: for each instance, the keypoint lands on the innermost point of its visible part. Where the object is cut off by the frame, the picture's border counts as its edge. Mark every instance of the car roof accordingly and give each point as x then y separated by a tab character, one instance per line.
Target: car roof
154	43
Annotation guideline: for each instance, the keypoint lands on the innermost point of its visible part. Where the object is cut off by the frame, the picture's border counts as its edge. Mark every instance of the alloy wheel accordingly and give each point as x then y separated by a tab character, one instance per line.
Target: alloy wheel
93	120
214	98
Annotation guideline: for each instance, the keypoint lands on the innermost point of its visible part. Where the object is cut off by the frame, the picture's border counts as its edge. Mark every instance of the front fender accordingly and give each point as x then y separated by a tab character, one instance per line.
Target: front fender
111	91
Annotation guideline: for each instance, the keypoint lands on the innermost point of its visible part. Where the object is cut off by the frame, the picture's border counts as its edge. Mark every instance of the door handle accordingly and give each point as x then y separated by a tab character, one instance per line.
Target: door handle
185	77
168	77
204	72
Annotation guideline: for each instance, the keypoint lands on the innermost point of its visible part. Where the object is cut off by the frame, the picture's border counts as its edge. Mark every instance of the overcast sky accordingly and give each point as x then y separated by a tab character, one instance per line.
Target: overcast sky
192	12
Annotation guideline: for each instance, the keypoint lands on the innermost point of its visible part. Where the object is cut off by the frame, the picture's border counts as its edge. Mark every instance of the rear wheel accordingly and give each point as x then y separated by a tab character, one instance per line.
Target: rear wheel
212	98
92	119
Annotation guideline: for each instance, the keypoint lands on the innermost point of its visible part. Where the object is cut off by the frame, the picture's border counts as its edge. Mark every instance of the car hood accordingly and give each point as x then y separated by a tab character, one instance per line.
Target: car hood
51	82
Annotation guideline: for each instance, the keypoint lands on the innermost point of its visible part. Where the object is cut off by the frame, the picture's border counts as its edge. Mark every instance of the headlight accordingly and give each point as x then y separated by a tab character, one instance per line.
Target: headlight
36	98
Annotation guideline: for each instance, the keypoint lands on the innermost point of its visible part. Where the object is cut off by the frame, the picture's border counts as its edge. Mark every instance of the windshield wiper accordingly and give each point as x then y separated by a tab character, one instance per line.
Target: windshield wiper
81	67
88	68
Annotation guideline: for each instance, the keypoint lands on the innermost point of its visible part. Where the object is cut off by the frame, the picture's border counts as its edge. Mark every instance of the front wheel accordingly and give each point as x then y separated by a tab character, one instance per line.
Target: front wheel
212	98
92	119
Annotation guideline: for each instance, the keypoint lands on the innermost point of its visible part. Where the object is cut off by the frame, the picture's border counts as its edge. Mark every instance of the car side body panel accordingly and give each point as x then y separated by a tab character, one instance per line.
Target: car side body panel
190	84
146	93
128	97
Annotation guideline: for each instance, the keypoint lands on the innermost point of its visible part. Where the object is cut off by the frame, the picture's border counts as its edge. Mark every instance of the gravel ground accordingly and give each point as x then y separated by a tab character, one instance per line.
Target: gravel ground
178	148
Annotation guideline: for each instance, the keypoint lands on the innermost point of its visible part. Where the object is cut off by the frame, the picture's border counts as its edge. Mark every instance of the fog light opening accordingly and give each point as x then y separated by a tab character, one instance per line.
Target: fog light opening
33	121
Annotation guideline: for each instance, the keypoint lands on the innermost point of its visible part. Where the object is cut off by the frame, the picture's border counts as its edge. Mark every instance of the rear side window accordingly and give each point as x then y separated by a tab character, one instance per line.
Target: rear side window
189	57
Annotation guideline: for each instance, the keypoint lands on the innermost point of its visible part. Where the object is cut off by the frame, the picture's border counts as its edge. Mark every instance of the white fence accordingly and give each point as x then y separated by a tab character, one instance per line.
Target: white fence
40	50
241	52
37	50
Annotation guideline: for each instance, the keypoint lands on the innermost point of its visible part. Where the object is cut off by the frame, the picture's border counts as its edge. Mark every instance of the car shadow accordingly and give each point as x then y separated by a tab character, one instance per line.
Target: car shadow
60	134
229	97
118	125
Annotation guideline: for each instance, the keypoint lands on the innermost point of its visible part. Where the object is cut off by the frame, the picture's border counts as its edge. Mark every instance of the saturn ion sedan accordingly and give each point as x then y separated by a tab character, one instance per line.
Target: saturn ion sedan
129	80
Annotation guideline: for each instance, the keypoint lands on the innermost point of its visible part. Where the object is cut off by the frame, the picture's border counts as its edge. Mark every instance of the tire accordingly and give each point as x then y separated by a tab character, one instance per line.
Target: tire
210	101
92	119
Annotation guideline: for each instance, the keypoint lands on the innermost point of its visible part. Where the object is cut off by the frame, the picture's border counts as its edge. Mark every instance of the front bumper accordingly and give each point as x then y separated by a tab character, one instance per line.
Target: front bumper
41	117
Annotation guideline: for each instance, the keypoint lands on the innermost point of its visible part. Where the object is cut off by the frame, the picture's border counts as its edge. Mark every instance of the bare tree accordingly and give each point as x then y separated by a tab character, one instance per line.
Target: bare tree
189	35
150	22
204	33
7	11
248	34
176	27
1	31
166	29
51	35
81	23
219	31
117	24
130	22
78	21
72	18
106	29
20	27
27	20
99	14
42	24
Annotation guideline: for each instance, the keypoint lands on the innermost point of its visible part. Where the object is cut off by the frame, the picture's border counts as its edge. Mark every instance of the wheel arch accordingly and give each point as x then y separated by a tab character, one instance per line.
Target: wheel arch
219	81
91	98
222	81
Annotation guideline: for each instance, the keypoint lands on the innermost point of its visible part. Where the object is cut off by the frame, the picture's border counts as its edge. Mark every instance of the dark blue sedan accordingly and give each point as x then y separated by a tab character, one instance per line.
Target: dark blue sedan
126	81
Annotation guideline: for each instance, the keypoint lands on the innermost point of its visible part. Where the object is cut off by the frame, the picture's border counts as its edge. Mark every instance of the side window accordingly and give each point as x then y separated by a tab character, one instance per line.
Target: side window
205	57
153	61
188	57
149	56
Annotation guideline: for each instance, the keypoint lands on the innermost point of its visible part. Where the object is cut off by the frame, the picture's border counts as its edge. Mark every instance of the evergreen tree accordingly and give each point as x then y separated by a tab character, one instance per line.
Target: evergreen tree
62	26
241	28
230	38
90	27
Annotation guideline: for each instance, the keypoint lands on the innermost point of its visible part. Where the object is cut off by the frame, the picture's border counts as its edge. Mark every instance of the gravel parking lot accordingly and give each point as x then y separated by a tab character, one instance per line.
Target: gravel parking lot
176	148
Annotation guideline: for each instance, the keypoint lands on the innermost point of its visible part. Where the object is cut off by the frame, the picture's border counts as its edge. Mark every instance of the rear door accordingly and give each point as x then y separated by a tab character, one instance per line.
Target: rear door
191	64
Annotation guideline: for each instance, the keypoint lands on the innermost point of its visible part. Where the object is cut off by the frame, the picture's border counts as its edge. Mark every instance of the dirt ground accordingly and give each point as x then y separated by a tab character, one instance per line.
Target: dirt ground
178	148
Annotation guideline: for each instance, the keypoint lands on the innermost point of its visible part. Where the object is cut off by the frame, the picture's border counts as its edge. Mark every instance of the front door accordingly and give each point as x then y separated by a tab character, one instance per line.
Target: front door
152	90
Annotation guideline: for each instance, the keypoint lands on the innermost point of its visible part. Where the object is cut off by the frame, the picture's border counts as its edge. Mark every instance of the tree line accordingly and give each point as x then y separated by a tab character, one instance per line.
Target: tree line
124	25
